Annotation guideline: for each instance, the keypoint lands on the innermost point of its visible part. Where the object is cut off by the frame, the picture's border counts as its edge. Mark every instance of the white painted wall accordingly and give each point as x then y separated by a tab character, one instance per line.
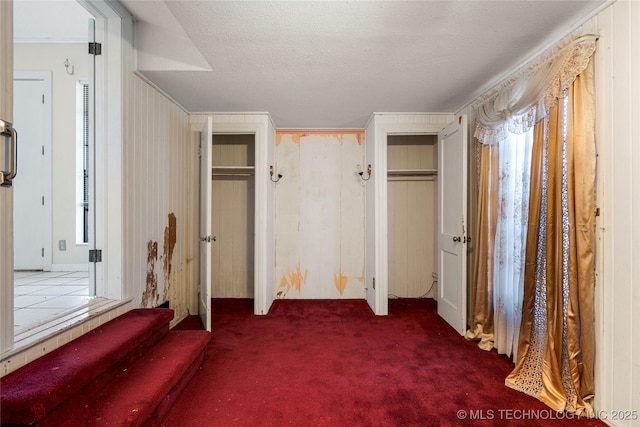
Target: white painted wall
618	252
51	57
319	215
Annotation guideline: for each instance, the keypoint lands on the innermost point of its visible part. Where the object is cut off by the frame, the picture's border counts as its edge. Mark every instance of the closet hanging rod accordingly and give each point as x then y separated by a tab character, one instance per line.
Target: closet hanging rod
412	172
233	170
231	174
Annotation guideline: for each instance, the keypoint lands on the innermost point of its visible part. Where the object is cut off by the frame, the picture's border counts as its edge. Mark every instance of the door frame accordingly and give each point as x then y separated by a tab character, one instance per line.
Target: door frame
113	26
45	76
204	242
259	125
379	128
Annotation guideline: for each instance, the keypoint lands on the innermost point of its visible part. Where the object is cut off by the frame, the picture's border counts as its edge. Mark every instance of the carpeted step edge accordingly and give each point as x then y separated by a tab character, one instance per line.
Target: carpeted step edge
31	392
167	402
142	390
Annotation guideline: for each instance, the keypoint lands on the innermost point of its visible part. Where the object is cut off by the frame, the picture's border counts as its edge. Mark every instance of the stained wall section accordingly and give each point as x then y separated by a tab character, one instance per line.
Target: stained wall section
160	204
319	215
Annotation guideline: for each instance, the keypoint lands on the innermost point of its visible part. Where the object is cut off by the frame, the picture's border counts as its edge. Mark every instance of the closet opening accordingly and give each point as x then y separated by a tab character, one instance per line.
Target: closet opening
233	218
412	196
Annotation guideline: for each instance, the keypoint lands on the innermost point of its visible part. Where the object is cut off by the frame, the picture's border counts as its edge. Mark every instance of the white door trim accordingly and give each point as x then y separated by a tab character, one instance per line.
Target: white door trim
113	25
382	130
205	242
259	127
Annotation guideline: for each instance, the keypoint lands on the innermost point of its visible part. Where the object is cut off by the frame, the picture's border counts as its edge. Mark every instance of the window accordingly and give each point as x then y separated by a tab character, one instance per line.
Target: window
82	162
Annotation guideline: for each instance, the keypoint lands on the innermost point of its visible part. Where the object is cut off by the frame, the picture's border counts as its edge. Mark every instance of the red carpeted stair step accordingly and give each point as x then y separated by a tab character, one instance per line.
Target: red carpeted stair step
31	392
143	392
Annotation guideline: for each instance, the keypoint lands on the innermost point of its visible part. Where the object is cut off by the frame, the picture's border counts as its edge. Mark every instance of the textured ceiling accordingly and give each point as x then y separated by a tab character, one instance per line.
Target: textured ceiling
329	64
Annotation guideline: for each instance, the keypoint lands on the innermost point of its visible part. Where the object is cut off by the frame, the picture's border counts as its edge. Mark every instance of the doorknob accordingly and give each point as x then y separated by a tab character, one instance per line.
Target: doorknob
456	238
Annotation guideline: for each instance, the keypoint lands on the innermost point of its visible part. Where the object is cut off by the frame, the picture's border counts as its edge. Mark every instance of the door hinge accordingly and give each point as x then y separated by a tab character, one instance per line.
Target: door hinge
42	252
95	48
95	255
42	200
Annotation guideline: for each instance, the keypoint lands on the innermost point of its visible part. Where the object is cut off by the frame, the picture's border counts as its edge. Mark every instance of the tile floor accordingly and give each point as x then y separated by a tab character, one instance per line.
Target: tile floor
42	295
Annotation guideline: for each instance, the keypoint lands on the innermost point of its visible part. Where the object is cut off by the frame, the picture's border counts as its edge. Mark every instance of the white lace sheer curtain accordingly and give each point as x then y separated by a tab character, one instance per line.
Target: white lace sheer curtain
506	122
510	241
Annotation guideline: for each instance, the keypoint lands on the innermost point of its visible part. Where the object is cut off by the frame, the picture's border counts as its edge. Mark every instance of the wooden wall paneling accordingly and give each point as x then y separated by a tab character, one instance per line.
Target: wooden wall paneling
216	201
349	280
617	130
398	230
248	274
319	214
238	248
287	218
411	215
157	160
225	235
233	219
397	157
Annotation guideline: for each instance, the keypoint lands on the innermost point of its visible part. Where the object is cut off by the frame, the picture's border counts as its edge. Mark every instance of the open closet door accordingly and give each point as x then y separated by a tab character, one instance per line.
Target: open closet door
204	295
452	237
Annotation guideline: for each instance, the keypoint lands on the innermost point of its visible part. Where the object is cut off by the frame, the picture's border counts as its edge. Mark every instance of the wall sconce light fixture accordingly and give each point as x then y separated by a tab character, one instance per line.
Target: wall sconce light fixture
361	172
271	174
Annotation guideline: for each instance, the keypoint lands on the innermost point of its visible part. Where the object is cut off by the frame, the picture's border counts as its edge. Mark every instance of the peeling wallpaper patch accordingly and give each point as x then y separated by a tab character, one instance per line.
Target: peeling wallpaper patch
169	245
150	294
295	135
340	281
294	279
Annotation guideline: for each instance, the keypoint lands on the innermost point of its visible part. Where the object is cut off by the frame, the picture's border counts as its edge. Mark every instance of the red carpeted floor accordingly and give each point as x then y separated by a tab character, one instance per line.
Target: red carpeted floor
334	363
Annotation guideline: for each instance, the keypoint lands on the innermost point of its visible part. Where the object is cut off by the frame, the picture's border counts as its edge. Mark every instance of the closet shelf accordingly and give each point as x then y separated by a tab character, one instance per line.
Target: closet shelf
412	172
233	170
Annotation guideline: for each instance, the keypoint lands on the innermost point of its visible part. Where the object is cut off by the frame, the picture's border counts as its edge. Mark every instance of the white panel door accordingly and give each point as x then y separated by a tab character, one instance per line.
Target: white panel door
452	208
204	295
30	187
